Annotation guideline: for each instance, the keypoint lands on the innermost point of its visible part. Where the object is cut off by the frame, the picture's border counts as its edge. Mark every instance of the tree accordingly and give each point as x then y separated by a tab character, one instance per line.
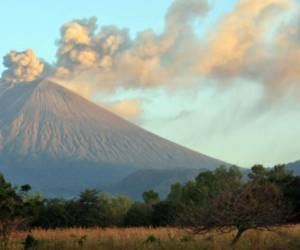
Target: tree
254	206
117	210
88	210
210	184
25	188
290	187
258	173
33	205
113	209
176	193
10	211
288	183
164	213
151	197
52	213
139	215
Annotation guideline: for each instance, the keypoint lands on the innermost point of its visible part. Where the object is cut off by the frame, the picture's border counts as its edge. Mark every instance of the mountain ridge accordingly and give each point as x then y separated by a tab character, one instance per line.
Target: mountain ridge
159	180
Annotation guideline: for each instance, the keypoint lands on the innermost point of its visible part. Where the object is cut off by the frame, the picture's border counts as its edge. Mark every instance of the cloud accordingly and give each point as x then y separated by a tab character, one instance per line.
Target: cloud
239	40
128	109
115	60
77	32
182	12
88	60
258	40
248	43
22	67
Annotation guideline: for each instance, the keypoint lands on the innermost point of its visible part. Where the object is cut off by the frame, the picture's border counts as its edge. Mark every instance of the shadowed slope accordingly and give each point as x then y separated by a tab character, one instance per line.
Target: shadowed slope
160	180
295	167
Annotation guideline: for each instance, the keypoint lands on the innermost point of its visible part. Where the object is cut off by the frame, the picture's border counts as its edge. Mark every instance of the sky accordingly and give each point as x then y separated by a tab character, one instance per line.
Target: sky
35	24
217	76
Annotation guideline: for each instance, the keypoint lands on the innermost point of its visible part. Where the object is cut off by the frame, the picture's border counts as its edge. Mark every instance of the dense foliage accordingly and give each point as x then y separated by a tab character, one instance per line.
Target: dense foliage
223	199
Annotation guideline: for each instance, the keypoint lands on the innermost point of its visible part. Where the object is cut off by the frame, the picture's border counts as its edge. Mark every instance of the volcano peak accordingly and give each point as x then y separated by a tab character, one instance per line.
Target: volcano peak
49	130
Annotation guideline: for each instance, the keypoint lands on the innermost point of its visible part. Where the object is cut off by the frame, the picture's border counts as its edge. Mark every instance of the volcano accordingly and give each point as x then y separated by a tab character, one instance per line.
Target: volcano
61	143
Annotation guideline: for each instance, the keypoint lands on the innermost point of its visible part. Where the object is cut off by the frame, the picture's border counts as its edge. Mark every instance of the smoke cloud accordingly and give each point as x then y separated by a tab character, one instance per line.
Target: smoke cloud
254	42
258	40
240	37
115	60
129	109
22	67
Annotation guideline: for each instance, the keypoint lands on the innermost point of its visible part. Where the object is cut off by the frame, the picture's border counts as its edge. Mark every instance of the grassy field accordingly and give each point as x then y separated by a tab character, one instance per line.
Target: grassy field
162	238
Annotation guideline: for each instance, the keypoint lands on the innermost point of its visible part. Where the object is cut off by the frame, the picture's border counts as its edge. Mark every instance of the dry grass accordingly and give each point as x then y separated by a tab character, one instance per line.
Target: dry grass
160	238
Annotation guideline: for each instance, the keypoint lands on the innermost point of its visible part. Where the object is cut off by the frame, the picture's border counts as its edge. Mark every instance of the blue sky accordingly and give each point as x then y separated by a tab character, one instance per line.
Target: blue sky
36	24
214	122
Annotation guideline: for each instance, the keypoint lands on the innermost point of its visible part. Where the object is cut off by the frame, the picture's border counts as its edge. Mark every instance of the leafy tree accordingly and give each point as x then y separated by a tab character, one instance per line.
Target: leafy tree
24	190
88	211
176	193
151	197
139	215
207	184
290	186
258	173
254	206
222	178
10	211
164	213
288	183
113	209
53	214
118	208
10	201
33	205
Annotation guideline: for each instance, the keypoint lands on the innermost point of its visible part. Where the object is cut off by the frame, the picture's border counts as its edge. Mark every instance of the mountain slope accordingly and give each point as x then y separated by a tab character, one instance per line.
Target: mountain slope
160	180
295	167
57	140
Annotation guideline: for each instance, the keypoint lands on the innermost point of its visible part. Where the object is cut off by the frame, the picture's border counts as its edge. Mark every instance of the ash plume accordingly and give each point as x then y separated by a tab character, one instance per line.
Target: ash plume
256	41
22	67
114	59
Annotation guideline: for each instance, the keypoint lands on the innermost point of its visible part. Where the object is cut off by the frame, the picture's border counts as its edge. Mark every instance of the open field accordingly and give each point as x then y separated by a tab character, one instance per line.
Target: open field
160	238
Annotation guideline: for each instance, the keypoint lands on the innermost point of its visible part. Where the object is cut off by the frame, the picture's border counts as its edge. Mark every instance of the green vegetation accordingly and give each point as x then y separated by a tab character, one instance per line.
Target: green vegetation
220	201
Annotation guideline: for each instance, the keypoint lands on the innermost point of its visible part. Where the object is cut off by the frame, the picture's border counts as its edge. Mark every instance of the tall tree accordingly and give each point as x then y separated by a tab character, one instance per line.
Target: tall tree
151	197
10	210
88	209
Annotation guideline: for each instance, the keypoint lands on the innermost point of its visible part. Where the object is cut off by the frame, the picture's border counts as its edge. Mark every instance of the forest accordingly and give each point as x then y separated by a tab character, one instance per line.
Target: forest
223	200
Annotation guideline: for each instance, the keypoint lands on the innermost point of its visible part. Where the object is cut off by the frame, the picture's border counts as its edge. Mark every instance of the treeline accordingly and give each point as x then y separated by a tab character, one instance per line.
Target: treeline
222	199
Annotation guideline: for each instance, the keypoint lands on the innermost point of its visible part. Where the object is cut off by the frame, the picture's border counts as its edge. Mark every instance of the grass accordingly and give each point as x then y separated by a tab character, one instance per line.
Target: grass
159	238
